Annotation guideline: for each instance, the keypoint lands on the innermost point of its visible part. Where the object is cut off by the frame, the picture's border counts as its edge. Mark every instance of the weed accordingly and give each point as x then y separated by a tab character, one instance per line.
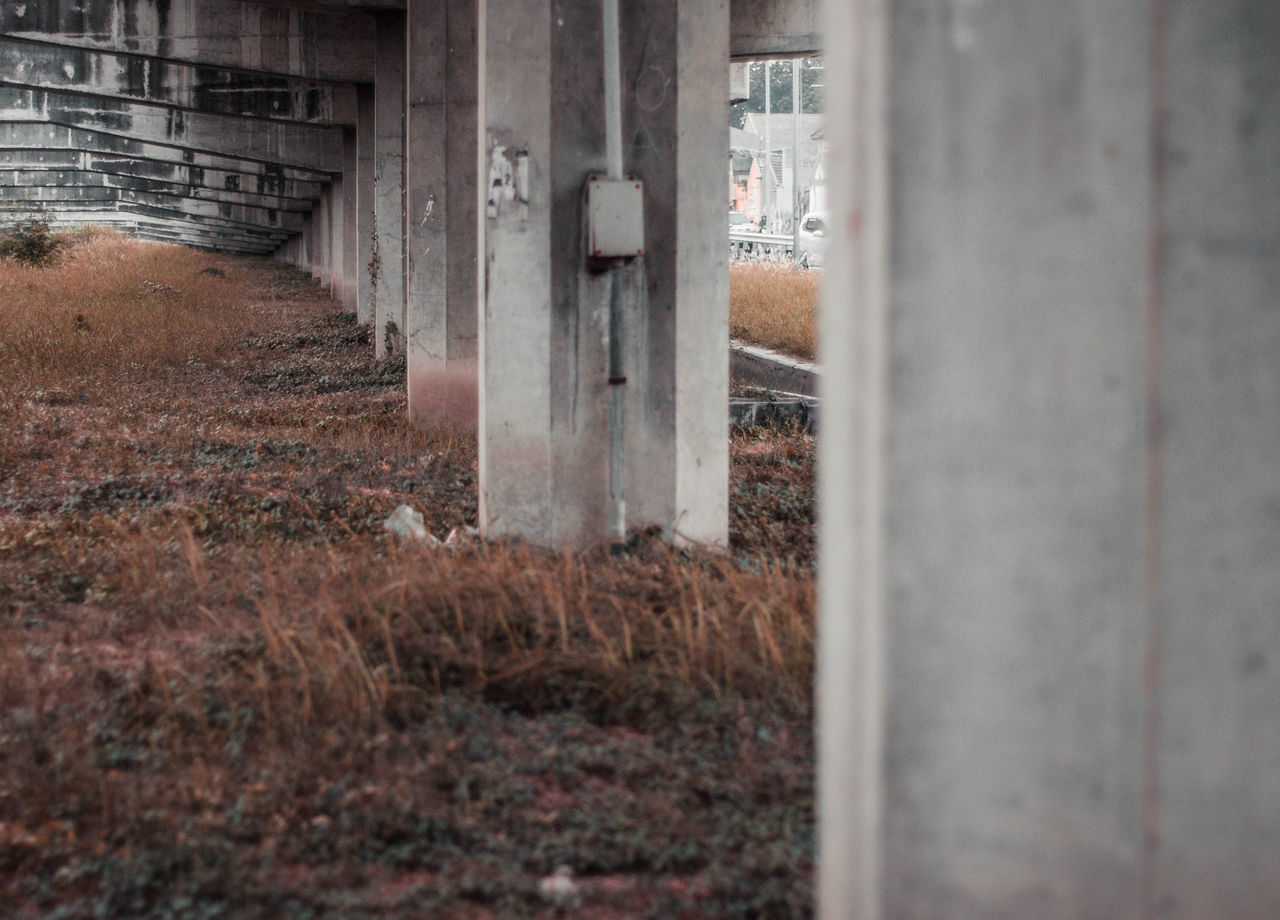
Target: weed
775	307
31	241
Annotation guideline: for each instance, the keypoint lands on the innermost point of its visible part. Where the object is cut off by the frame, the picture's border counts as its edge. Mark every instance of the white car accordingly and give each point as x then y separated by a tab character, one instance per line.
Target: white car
813	239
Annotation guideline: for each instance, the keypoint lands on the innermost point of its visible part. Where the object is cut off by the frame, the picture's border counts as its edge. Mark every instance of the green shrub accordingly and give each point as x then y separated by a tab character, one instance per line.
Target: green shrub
31	241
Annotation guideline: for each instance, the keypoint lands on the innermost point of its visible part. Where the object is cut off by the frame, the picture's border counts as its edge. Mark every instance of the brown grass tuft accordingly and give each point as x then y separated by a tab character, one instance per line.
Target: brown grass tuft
775	307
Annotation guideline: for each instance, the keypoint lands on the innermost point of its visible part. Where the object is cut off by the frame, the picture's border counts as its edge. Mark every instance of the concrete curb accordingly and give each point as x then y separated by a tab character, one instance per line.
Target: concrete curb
762	367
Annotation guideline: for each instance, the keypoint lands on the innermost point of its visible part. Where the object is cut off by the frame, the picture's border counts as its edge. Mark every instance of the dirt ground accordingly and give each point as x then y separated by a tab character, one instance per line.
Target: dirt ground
226	691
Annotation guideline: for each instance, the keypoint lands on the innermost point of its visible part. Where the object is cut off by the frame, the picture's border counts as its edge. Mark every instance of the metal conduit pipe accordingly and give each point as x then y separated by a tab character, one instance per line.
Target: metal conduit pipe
616	369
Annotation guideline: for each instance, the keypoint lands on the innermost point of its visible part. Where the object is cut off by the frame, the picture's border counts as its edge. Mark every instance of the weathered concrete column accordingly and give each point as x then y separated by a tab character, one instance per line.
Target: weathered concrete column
1051	462
307	245
337	256
350	185
442	211
544	430
388	185
365	209
324	237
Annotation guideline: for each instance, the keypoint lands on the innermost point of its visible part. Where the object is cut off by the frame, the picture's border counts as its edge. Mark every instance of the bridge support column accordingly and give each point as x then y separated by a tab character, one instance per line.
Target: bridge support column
441	214
365	208
544	432
350	183
1051	462
337	257
307	249
324	238
388	186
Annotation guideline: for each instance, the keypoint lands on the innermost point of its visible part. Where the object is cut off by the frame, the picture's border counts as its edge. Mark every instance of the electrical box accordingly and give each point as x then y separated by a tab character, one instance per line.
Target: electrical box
615	218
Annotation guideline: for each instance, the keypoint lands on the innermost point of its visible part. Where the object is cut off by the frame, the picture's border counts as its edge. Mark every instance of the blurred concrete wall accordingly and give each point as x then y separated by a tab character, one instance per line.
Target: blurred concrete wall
1051	461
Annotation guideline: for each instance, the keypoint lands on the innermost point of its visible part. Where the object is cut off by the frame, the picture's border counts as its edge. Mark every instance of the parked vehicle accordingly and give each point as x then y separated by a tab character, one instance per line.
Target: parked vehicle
813	240
739	221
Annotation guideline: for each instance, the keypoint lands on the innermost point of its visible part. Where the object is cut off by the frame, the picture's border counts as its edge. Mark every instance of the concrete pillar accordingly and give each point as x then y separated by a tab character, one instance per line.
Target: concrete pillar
365	210
350	251
388	185
442	210
337	256
324	238
307	244
543	417
1051	462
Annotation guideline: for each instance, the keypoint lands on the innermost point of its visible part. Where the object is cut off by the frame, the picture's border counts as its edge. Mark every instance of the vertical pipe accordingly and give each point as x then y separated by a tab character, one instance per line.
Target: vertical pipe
766	187
617	370
612	90
795	160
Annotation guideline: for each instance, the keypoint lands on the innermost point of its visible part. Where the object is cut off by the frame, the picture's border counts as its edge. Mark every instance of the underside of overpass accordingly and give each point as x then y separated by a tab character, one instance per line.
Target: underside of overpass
382	146
1050	479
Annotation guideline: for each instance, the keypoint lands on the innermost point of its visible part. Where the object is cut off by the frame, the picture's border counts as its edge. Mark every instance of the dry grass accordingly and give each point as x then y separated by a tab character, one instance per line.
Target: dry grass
109	304
775	307
225	691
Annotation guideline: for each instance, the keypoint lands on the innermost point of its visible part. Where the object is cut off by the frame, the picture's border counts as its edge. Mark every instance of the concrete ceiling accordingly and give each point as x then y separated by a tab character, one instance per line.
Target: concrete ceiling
215	117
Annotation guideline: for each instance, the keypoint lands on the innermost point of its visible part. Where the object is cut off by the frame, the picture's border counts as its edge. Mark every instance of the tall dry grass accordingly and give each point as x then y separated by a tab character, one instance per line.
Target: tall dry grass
110	305
216	667
774	306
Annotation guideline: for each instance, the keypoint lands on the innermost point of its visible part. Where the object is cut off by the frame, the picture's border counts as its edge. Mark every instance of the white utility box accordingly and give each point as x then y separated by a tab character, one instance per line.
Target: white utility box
615	218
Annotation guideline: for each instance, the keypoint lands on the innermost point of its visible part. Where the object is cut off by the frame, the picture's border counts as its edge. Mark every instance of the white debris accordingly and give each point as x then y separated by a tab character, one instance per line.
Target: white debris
406	522
560	889
458	534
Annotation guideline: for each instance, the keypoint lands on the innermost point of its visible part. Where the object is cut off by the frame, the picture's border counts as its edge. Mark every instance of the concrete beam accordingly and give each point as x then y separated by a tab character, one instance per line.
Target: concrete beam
163	161
313	44
25	173
91	210
301	146
77	200
106	215
775	28
252	216
210	245
333	43
106	75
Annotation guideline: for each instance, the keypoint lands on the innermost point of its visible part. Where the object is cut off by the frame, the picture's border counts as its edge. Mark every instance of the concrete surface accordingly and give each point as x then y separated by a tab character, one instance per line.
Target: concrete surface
387	255
543	403
289	144
1051	462
763	367
218	91
315	43
442	271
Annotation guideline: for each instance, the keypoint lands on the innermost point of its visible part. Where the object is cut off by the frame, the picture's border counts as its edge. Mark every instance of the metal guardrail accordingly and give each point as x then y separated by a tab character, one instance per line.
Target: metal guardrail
748	246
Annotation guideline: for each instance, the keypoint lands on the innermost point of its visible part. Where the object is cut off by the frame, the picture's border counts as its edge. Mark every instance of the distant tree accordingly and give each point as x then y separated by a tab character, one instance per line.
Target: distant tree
811	71
31	240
